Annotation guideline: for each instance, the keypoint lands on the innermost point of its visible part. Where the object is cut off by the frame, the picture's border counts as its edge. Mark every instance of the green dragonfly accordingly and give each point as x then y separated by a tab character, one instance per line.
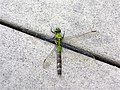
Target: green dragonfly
58	38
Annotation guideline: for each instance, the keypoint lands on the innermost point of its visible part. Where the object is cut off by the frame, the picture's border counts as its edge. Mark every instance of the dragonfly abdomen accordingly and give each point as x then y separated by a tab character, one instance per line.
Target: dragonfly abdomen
59	62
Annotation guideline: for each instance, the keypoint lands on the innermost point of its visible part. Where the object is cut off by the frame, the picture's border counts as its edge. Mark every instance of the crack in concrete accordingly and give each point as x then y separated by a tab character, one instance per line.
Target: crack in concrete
65	45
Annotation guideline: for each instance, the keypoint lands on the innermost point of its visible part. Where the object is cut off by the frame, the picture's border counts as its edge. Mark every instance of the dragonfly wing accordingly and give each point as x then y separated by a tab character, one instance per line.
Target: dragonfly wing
51	57
89	62
83	36
81	40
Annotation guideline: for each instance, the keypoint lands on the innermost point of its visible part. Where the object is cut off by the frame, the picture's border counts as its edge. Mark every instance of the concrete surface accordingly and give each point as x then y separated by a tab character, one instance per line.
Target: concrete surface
72	16
21	67
21	55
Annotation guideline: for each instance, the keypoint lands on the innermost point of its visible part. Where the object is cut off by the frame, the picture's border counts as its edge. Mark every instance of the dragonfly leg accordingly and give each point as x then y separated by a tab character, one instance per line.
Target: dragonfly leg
51	30
63	34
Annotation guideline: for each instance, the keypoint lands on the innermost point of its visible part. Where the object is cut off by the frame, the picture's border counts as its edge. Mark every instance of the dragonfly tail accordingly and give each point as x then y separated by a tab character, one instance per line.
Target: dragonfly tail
59	64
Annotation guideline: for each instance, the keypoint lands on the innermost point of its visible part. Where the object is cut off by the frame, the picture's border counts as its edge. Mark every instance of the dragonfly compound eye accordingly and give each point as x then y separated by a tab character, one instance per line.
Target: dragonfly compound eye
57	30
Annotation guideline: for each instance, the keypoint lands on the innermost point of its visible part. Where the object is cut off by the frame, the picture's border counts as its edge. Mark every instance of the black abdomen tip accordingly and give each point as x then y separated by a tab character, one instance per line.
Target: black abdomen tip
59	72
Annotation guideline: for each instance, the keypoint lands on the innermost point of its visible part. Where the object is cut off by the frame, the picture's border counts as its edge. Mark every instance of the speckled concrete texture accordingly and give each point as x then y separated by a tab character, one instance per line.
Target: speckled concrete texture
22	56
72	16
21	66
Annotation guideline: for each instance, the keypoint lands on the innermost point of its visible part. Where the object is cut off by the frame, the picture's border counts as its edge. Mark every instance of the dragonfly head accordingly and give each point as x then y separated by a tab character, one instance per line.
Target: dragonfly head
57	30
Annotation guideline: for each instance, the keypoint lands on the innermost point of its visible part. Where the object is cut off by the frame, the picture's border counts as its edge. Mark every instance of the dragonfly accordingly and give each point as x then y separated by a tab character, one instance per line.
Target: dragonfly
58	38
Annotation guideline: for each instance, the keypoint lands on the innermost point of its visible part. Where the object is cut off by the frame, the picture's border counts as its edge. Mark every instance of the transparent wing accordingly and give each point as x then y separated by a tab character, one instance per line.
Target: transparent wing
90	62
86	61
81	40
84	36
48	60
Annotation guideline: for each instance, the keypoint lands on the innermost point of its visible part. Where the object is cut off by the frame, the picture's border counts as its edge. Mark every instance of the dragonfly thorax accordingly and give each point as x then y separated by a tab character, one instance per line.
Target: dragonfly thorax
58	36
58	39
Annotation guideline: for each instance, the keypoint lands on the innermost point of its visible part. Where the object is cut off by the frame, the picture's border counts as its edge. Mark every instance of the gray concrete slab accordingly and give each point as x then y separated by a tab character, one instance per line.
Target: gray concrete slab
21	66
72	16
